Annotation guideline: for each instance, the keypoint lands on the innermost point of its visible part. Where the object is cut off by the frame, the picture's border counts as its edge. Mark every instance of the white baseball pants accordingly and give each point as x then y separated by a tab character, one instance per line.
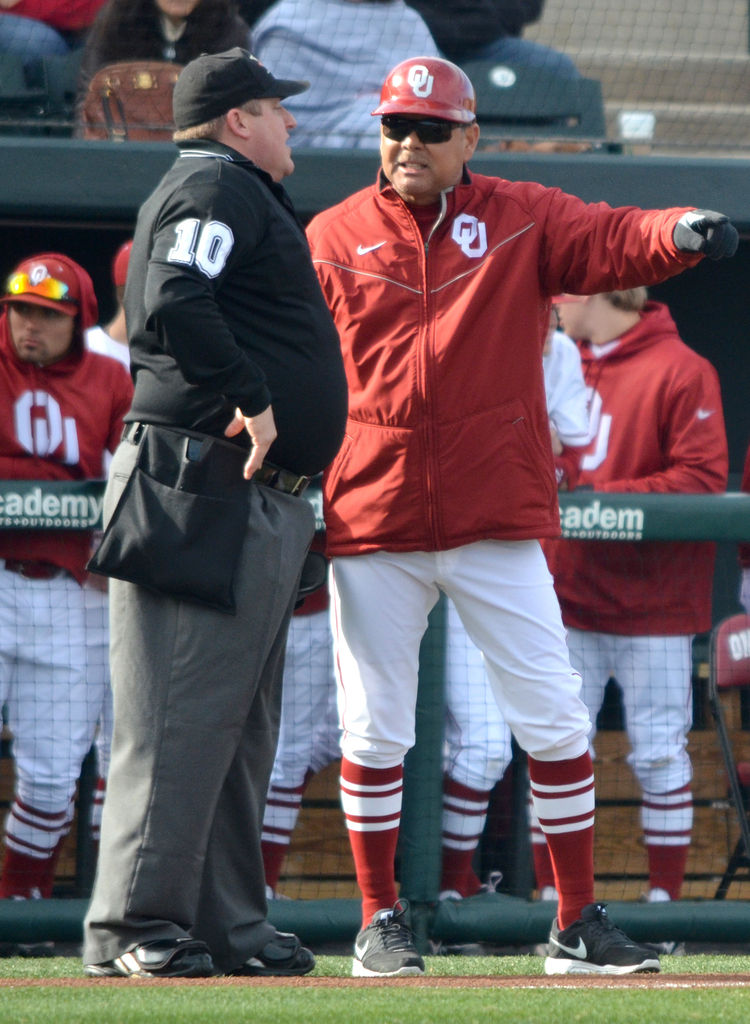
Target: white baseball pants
504	595
654	676
52	704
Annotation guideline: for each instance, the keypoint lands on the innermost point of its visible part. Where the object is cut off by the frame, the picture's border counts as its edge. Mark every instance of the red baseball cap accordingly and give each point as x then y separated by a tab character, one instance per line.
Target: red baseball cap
44	281
120	264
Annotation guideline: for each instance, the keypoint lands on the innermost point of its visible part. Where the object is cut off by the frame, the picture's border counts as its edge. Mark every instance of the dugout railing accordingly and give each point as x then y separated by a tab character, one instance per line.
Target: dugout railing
496	918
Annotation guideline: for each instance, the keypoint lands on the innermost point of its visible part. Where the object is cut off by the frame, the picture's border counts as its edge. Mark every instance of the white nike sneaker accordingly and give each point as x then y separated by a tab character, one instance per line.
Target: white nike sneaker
593	945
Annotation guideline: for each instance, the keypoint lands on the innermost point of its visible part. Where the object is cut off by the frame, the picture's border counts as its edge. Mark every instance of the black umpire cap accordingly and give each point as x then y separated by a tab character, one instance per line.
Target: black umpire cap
213	83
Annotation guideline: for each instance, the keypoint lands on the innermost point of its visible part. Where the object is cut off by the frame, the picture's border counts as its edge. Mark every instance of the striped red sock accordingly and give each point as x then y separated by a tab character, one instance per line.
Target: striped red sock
371	799
464	815
273	860
563	795
279	820
26	877
543	871
667	829
97	804
666	868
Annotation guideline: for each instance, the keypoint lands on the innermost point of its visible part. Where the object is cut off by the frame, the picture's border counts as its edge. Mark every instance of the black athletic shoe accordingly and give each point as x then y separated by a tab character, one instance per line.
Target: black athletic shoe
162	958
283	956
385	948
593	945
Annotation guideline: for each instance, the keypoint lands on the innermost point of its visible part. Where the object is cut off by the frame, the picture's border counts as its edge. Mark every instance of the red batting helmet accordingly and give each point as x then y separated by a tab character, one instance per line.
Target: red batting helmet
428	87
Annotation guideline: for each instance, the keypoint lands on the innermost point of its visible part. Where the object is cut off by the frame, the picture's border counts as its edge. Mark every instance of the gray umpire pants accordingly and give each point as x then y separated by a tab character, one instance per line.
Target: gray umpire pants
196	713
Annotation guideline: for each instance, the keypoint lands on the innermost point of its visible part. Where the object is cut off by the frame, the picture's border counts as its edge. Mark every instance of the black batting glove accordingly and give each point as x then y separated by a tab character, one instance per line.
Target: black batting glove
706	231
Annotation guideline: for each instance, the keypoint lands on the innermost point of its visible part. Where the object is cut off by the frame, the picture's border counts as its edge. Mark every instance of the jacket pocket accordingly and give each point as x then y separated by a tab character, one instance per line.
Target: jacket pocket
496	477
373	493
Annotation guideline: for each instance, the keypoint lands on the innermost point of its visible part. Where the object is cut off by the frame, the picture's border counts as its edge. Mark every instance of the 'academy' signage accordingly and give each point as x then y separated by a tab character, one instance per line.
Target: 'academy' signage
77	505
597	521
631	516
58	505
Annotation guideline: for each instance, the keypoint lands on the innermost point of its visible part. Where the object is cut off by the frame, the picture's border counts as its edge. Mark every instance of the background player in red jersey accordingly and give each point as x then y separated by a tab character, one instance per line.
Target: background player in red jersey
61	409
631	609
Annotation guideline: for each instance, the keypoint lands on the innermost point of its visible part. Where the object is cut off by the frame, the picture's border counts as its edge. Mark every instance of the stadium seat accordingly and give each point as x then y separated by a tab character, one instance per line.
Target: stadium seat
22	94
518	102
61	79
729	673
37	97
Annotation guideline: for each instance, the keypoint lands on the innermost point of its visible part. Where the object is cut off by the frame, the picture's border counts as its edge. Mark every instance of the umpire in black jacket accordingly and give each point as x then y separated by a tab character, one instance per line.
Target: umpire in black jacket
240	395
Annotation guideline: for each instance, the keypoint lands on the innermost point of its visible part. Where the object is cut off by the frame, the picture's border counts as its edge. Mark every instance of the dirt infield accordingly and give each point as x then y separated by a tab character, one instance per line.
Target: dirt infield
638	981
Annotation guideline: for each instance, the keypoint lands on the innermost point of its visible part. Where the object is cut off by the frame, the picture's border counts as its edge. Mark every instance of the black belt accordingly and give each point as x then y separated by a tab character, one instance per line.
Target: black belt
268	475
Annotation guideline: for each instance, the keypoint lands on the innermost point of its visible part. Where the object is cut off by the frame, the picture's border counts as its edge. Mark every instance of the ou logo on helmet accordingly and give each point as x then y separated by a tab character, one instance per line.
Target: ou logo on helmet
420	80
470	234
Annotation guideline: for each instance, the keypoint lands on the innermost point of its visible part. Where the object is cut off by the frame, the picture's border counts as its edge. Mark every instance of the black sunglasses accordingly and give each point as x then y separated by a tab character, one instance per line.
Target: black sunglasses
428	130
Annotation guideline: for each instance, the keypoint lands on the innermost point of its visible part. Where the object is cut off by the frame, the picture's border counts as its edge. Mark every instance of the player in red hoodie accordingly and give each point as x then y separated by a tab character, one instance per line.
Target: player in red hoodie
631	609
61	409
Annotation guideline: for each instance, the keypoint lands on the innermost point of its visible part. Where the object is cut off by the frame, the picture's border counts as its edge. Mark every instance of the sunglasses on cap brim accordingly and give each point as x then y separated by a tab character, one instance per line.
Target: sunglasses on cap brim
428	130
48	288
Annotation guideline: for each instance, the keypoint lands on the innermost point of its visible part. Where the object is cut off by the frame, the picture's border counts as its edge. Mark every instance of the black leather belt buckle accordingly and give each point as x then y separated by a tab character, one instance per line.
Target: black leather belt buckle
281	479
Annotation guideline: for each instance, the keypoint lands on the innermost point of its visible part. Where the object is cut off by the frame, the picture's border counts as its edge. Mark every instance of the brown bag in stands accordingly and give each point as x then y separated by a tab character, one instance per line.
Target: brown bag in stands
130	102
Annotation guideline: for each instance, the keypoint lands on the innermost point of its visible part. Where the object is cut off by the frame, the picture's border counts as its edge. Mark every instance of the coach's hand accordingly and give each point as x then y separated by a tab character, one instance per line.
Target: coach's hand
706	231
262	431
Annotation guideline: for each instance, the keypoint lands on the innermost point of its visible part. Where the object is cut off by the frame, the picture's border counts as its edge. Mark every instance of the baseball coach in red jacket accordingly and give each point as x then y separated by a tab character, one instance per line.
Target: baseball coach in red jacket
440	281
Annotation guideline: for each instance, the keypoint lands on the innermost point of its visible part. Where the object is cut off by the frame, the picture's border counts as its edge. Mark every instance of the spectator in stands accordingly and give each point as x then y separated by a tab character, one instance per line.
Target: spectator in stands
168	30
631	609
745	548
62	410
491	29
45	28
471	30
344	48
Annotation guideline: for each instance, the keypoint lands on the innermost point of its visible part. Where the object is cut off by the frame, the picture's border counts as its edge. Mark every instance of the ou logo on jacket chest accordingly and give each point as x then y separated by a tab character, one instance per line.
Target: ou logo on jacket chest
42	430
470	234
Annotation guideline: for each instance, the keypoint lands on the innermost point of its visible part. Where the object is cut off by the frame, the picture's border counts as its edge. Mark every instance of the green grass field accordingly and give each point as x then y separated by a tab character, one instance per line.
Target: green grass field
690	988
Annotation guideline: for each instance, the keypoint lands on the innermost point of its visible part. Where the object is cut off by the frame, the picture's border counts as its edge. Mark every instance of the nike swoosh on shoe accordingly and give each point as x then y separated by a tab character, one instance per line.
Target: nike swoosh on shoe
580	950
